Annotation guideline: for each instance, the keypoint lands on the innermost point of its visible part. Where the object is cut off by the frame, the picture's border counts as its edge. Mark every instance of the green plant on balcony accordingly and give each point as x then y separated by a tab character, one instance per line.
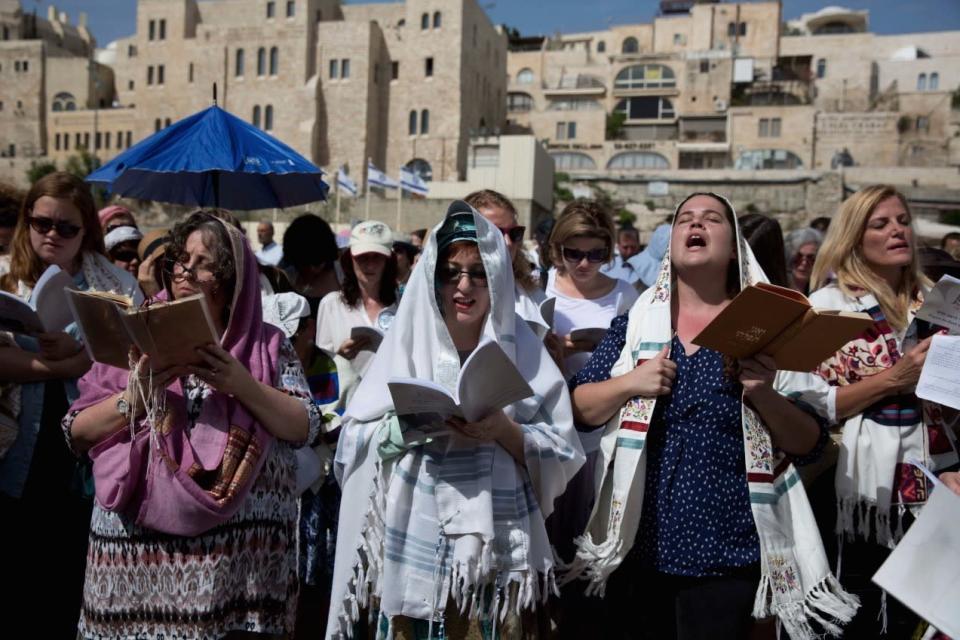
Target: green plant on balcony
903	124
615	123
560	192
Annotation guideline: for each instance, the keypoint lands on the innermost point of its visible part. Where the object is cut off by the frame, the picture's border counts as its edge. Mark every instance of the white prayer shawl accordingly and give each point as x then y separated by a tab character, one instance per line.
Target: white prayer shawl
101	275
527	306
451	519
795	584
872	455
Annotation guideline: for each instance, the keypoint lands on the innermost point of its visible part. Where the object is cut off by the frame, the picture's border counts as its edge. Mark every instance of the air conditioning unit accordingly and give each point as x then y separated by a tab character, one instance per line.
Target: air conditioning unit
720	104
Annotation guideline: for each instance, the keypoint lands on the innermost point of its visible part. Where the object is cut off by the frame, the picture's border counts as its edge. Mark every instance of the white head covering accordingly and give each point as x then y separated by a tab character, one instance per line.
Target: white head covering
452	518
284	310
124	233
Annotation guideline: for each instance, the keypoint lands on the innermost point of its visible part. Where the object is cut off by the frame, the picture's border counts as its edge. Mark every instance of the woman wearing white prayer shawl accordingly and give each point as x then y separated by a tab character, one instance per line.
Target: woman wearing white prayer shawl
700	492
446	534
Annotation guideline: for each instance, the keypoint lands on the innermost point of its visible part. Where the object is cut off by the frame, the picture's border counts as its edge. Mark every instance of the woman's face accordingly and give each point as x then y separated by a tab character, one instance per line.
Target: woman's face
125	256
887	240
463	286
369	269
63	217
194	272
702	236
803	260
576	253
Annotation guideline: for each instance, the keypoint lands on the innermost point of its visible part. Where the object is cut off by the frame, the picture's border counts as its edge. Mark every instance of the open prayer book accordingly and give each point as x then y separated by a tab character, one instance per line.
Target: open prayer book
45	311
591	335
373	336
168	332
488	381
781	323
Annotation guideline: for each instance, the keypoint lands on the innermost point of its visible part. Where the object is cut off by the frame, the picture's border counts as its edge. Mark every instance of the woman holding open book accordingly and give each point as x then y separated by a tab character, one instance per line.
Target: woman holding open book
442	525
193	533
43	489
869	263
697	502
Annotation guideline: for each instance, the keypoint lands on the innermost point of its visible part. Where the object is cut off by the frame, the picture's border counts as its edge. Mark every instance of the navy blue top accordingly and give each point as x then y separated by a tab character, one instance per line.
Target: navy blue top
696	518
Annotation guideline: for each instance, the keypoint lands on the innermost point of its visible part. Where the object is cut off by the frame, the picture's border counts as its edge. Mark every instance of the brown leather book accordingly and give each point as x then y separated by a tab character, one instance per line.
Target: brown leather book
169	332
781	323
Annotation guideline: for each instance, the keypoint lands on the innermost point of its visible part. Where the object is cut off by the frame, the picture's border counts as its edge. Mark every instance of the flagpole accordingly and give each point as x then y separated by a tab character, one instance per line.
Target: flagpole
336	182
399	199
366	213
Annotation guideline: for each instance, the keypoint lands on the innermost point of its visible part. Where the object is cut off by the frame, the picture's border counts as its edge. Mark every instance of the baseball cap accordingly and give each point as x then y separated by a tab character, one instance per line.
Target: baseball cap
371	237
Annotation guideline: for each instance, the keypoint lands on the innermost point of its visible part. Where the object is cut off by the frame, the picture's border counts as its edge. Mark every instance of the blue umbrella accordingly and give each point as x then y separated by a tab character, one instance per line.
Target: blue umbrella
213	158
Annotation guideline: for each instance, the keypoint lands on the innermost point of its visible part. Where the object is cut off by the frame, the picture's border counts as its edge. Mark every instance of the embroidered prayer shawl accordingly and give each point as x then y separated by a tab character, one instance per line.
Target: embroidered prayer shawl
451	519
795	584
873	473
185	482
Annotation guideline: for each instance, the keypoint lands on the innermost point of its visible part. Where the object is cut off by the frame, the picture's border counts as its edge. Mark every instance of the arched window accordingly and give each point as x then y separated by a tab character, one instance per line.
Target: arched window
238	63
64	101
922	82
646	108
437	20
525	76
425	121
166	122
420	167
274	60
425	21
645	76
630	45
261	61
638	160
821	68
518	102
934	81
256	115
572	161
412	123
601	46
268	118
758	159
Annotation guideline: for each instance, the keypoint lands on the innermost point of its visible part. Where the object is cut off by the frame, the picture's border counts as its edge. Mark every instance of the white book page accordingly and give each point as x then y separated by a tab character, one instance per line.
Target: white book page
547	309
592	335
489	381
923	571
412	396
17	316
373	336
49	298
942	305
940	376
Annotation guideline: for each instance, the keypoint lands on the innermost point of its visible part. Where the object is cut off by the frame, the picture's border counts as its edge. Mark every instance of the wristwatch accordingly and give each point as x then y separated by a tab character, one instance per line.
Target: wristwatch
123	407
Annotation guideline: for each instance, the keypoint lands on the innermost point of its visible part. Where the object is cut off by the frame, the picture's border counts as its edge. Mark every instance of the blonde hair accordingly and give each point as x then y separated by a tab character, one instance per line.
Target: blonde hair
584	219
841	256
488	198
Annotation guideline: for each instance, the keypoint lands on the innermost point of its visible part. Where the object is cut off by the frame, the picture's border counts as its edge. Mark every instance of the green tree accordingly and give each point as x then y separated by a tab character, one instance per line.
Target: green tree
615	123
83	164
560	192
39	169
626	218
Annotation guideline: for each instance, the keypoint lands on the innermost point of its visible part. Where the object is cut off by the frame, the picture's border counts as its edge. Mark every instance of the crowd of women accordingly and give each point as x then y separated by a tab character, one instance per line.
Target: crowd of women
646	488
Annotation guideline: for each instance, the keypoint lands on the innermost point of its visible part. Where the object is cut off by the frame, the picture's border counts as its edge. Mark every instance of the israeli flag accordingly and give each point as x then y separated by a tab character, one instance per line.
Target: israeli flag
409	181
378	178
344	182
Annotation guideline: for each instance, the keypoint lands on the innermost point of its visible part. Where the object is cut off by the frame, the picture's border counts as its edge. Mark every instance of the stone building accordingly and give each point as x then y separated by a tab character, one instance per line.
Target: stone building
713	85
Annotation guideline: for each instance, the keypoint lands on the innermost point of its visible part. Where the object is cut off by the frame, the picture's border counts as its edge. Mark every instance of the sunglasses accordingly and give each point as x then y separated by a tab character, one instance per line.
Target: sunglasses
575	256
43	226
449	274
514	233
124	256
805	257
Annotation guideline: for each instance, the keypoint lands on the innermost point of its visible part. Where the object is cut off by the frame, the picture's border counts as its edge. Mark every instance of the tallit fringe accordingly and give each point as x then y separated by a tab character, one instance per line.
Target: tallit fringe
826	604
594	562
854	518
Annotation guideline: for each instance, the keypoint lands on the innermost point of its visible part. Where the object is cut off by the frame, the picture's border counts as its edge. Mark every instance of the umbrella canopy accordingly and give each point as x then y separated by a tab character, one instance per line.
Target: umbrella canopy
213	158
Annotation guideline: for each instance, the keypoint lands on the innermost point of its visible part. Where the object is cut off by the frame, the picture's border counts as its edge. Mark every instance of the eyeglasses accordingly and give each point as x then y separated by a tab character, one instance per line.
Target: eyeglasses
43	226
514	233
575	256
179	271
805	257
124	256
449	274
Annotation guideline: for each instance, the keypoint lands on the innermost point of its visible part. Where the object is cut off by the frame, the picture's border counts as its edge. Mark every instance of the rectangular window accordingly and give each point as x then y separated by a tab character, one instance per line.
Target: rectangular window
291	8
743	28
131	51
678	38
97	140
271	9
190	73
150	74
731	29
26	66
129	139
163	30
764	131
428	67
159	74
66	142
106	140
561	131
571	130
775	128
119	139
130	85
345	68
334	69
394	70
704	66
56	144
78	141
152	30
86	141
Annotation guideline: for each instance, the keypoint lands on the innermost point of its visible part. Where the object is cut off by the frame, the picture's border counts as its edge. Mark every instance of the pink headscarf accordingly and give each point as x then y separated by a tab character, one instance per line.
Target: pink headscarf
191	481
112	211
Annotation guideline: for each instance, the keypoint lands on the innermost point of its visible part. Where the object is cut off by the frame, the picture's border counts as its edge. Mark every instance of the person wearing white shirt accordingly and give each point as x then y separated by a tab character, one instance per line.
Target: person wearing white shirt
628	245
270	252
367	299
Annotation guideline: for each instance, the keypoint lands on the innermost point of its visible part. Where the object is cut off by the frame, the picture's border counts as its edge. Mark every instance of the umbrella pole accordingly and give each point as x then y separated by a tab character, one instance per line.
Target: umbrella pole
336	185
366	211
216	189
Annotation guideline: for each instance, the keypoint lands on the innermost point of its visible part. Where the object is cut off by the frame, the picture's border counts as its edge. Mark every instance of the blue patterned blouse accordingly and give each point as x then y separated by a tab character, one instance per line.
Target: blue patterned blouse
696	518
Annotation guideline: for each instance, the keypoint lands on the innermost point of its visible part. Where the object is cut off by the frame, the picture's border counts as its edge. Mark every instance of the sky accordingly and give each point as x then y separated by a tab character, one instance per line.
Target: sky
112	19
